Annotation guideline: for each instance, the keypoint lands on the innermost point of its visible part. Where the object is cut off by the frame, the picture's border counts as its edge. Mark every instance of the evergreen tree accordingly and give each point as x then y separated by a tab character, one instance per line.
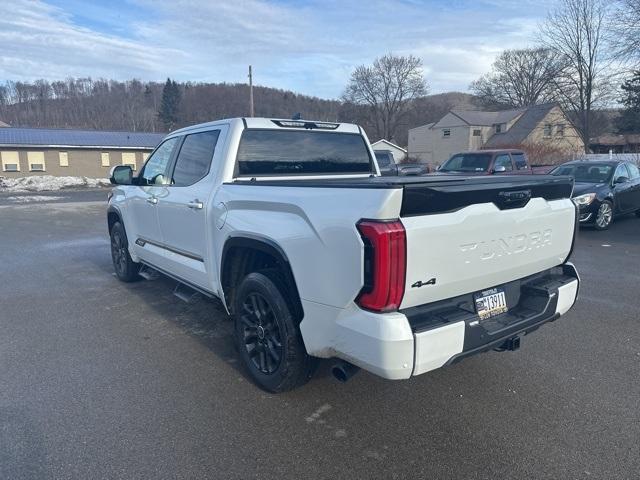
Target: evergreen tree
169	104
629	120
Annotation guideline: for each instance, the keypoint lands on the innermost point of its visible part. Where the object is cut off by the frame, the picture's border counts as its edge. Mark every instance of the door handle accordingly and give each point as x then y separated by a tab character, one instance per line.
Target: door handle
195	205
152	200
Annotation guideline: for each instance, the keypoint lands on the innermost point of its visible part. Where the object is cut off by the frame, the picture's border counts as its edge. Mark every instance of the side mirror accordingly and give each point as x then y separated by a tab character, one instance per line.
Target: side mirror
622	179
438	167
121	175
499	169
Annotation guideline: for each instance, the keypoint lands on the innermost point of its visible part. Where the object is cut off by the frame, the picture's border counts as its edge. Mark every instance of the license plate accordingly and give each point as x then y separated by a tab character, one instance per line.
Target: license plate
490	303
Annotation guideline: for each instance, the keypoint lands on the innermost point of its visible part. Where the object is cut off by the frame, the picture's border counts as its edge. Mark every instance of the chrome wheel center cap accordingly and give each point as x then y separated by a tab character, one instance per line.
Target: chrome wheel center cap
260	332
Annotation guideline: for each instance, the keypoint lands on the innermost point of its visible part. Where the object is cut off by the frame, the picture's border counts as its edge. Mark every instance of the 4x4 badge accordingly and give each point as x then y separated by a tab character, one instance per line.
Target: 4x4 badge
420	283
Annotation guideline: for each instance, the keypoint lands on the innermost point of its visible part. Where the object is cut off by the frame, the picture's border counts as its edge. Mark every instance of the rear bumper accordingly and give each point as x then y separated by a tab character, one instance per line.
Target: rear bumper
419	339
453	331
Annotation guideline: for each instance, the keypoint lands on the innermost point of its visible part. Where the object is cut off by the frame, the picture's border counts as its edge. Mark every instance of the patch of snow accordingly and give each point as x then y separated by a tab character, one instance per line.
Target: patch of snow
33	198
40	183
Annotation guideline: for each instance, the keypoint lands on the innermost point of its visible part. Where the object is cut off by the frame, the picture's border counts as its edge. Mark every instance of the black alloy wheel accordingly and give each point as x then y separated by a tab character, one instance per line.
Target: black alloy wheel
267	335
262	337
119	253
126	269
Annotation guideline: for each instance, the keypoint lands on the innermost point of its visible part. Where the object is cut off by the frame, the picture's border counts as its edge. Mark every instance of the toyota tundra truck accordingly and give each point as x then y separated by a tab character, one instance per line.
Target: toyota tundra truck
314	254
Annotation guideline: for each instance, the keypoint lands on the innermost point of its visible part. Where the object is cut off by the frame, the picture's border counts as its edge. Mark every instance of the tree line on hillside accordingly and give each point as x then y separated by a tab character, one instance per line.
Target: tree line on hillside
156	107
145	106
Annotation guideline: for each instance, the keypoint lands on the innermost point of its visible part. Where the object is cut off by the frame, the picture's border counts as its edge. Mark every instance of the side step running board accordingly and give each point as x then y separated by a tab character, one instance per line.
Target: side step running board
186	293
183	289
148	273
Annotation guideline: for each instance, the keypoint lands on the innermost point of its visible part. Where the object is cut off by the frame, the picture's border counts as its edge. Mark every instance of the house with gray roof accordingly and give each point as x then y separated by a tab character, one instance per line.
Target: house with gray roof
62	152
616	143
544	126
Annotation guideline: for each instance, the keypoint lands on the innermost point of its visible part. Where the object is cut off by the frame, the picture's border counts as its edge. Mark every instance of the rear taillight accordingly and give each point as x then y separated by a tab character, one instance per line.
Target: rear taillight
385	259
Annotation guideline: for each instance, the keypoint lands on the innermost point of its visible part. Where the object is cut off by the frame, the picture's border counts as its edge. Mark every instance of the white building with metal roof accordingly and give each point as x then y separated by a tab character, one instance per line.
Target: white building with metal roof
61	152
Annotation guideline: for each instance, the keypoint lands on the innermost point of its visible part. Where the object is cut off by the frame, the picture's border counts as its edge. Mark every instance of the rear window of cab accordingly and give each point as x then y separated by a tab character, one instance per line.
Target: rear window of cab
298	152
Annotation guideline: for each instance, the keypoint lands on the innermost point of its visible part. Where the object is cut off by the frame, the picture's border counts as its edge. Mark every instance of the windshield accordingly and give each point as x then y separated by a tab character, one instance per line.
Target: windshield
593	173
281	152
467	162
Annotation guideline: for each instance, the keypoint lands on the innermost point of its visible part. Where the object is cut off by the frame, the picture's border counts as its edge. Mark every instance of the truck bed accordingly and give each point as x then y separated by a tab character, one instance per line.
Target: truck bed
468	233
441	194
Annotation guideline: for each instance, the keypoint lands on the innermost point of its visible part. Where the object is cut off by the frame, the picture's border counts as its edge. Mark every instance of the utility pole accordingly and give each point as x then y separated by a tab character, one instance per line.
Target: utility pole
250	92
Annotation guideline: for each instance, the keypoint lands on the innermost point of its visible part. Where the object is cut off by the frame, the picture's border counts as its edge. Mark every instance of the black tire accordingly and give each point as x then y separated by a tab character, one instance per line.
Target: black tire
638	213
267	336
126	269
604	216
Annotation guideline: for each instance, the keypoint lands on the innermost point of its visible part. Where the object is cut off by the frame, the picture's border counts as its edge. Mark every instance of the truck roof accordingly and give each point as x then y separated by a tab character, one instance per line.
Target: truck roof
277	123
493	151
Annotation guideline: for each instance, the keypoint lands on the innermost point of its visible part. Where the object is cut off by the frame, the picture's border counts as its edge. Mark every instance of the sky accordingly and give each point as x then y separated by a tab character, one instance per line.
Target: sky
309	47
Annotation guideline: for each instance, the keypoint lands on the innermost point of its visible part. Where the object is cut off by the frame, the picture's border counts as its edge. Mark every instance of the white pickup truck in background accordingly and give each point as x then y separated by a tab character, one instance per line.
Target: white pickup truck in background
314	254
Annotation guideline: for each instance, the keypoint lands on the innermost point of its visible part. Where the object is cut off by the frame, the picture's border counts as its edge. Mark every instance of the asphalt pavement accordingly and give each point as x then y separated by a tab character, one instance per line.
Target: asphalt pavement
101	379
58	196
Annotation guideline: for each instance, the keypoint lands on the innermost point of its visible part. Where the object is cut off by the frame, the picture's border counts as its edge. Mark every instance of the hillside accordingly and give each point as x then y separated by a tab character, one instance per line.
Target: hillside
133	105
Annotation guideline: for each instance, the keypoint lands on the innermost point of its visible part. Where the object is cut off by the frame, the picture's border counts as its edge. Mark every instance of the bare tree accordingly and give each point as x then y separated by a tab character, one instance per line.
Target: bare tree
520	78
386	89
576	32
627	31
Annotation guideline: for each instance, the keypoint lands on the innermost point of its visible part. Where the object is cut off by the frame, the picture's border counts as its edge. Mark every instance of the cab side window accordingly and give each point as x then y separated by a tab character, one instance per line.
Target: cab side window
194	159
503	161
521	162
154	171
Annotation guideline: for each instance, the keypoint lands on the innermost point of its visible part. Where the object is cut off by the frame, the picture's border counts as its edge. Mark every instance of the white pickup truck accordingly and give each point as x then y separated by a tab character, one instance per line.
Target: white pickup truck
314	254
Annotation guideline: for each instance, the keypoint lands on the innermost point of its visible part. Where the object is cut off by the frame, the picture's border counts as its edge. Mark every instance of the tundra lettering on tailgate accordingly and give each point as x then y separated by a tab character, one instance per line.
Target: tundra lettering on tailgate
511	245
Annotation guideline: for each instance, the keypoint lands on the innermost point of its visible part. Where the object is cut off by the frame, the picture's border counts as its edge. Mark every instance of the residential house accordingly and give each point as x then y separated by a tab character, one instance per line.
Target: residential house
629	143
399	153
87	153
544	126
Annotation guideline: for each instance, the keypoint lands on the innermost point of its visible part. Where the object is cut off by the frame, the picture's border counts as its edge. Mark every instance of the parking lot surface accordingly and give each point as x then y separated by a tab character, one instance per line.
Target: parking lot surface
100	379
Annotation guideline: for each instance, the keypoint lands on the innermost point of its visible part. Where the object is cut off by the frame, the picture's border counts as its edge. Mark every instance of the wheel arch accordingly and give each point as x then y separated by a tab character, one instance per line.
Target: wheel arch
615	205
244	254
113	216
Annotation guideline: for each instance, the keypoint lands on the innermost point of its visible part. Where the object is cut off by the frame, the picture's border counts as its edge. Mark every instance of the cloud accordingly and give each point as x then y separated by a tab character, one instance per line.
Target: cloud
308	47
39	40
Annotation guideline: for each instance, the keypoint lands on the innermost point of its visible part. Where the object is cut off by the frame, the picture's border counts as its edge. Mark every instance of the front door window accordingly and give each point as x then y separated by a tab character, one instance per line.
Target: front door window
155	170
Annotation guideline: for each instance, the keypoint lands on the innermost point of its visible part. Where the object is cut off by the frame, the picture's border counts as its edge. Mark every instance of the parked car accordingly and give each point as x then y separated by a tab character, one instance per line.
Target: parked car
314	254
491	162
603	190
388	165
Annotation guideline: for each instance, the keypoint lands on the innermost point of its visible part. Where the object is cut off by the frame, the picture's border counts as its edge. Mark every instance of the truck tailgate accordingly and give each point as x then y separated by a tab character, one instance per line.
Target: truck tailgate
468	236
